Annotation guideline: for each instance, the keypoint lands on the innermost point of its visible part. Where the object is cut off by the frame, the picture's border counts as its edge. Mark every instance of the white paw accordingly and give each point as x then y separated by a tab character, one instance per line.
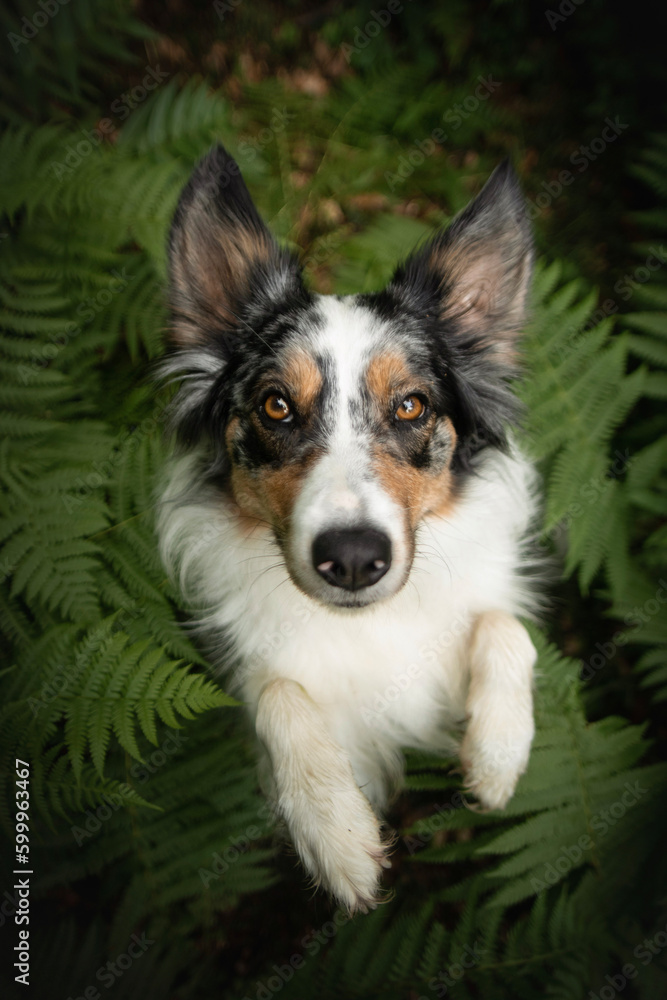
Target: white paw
337	837
493	763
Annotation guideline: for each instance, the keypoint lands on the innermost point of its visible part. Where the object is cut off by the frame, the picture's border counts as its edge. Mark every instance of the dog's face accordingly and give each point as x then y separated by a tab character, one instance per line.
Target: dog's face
343	422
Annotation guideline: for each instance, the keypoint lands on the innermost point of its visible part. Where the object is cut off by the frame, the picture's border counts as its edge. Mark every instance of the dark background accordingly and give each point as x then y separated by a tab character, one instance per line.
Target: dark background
562	69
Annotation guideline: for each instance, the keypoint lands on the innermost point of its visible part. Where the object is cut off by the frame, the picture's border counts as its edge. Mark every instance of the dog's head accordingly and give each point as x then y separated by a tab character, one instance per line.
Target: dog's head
343	422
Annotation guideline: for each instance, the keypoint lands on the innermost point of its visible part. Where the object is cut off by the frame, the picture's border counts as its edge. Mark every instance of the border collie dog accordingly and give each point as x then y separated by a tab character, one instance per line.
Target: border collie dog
347	513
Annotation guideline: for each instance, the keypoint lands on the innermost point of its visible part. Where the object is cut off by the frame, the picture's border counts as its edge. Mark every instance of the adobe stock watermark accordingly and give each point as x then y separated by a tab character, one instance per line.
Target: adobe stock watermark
42	355
64	676
214	532
280	118
311	944
327	246
382	701
141	772
470	956
565	9
364	35
601	822
588	494
221	861
102	471
121	108
6	569
434	823
271	642
247	150
31	26
645	952
113	801
625	288
224	7
169	748
9	906
615	984
96	818
422	148
581	158
109	973
638	616
401	681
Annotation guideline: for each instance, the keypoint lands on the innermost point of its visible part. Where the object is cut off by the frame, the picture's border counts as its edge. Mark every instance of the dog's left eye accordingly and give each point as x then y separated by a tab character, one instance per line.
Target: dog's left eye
276	407
412	408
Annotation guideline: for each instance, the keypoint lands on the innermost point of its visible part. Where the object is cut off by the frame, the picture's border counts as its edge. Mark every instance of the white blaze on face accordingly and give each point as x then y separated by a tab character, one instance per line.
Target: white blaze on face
340	491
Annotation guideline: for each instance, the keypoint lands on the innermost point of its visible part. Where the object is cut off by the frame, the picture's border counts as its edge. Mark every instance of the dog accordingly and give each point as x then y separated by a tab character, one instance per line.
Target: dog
348	512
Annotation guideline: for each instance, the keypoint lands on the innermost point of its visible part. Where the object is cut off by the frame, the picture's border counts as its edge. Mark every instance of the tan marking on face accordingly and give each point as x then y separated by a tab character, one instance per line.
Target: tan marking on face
270	495
230	433
416	491
440	496
386	374
303	379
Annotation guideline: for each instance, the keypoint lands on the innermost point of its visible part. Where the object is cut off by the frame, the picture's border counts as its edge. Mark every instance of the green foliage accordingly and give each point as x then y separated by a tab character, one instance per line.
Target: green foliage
583	804
142	775
407	950
578	770
63	63
651	342
102	672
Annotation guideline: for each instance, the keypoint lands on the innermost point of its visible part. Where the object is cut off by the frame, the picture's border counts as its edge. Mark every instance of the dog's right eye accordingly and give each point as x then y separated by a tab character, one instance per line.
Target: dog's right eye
411	409
277	408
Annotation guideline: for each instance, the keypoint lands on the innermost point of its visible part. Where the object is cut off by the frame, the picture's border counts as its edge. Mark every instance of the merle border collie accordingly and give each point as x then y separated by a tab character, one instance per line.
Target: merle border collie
347	512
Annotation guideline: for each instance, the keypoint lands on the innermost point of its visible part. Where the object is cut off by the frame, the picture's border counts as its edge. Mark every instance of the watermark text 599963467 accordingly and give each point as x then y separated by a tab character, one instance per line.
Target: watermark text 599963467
22	885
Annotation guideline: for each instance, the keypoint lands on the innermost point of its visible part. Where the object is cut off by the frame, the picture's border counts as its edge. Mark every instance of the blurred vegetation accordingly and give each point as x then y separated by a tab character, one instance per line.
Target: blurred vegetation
145	815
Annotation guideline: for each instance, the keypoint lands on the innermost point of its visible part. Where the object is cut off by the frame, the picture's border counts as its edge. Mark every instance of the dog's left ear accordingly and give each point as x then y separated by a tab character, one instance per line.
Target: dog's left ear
476	273
225	268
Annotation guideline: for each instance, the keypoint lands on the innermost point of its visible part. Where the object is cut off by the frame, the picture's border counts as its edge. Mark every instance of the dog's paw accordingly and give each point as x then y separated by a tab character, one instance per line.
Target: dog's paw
338	840
493	763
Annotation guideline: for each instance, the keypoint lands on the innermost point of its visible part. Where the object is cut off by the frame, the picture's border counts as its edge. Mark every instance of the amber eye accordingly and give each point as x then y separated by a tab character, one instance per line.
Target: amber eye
277	408
411	408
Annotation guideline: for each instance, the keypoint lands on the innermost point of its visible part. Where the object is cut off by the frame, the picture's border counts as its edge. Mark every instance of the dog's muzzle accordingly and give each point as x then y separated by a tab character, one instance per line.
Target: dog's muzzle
352	558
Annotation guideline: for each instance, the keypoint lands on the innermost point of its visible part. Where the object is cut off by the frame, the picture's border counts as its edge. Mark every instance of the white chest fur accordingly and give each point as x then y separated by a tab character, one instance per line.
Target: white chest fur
394	674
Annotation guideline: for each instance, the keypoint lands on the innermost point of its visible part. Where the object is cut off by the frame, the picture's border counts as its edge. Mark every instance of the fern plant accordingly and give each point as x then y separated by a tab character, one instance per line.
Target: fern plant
101	671
64	63
141	767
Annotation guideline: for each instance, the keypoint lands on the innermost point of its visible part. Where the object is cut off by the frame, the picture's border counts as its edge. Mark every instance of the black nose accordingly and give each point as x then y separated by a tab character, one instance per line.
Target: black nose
352	559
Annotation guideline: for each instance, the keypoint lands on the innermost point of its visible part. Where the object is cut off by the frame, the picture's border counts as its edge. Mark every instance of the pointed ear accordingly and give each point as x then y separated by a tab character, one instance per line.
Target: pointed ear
476	274
224	265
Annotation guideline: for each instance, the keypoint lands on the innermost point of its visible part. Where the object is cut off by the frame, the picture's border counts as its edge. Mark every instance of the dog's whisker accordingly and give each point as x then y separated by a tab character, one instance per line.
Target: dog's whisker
262	555
278	585
260	576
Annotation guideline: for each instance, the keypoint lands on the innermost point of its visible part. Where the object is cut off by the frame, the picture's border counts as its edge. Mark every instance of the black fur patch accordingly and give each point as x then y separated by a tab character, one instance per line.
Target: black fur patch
228	276
460	299
471	385
238	322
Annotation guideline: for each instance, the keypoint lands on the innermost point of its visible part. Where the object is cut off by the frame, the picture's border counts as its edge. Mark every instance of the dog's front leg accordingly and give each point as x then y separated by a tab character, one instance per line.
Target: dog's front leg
499	708
331	823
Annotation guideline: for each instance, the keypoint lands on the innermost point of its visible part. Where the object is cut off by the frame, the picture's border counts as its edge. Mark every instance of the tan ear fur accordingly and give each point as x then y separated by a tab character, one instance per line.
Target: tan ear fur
221	255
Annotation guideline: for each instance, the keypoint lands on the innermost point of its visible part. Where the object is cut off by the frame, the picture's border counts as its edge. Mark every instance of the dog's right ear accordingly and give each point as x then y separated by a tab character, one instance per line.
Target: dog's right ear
224	265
